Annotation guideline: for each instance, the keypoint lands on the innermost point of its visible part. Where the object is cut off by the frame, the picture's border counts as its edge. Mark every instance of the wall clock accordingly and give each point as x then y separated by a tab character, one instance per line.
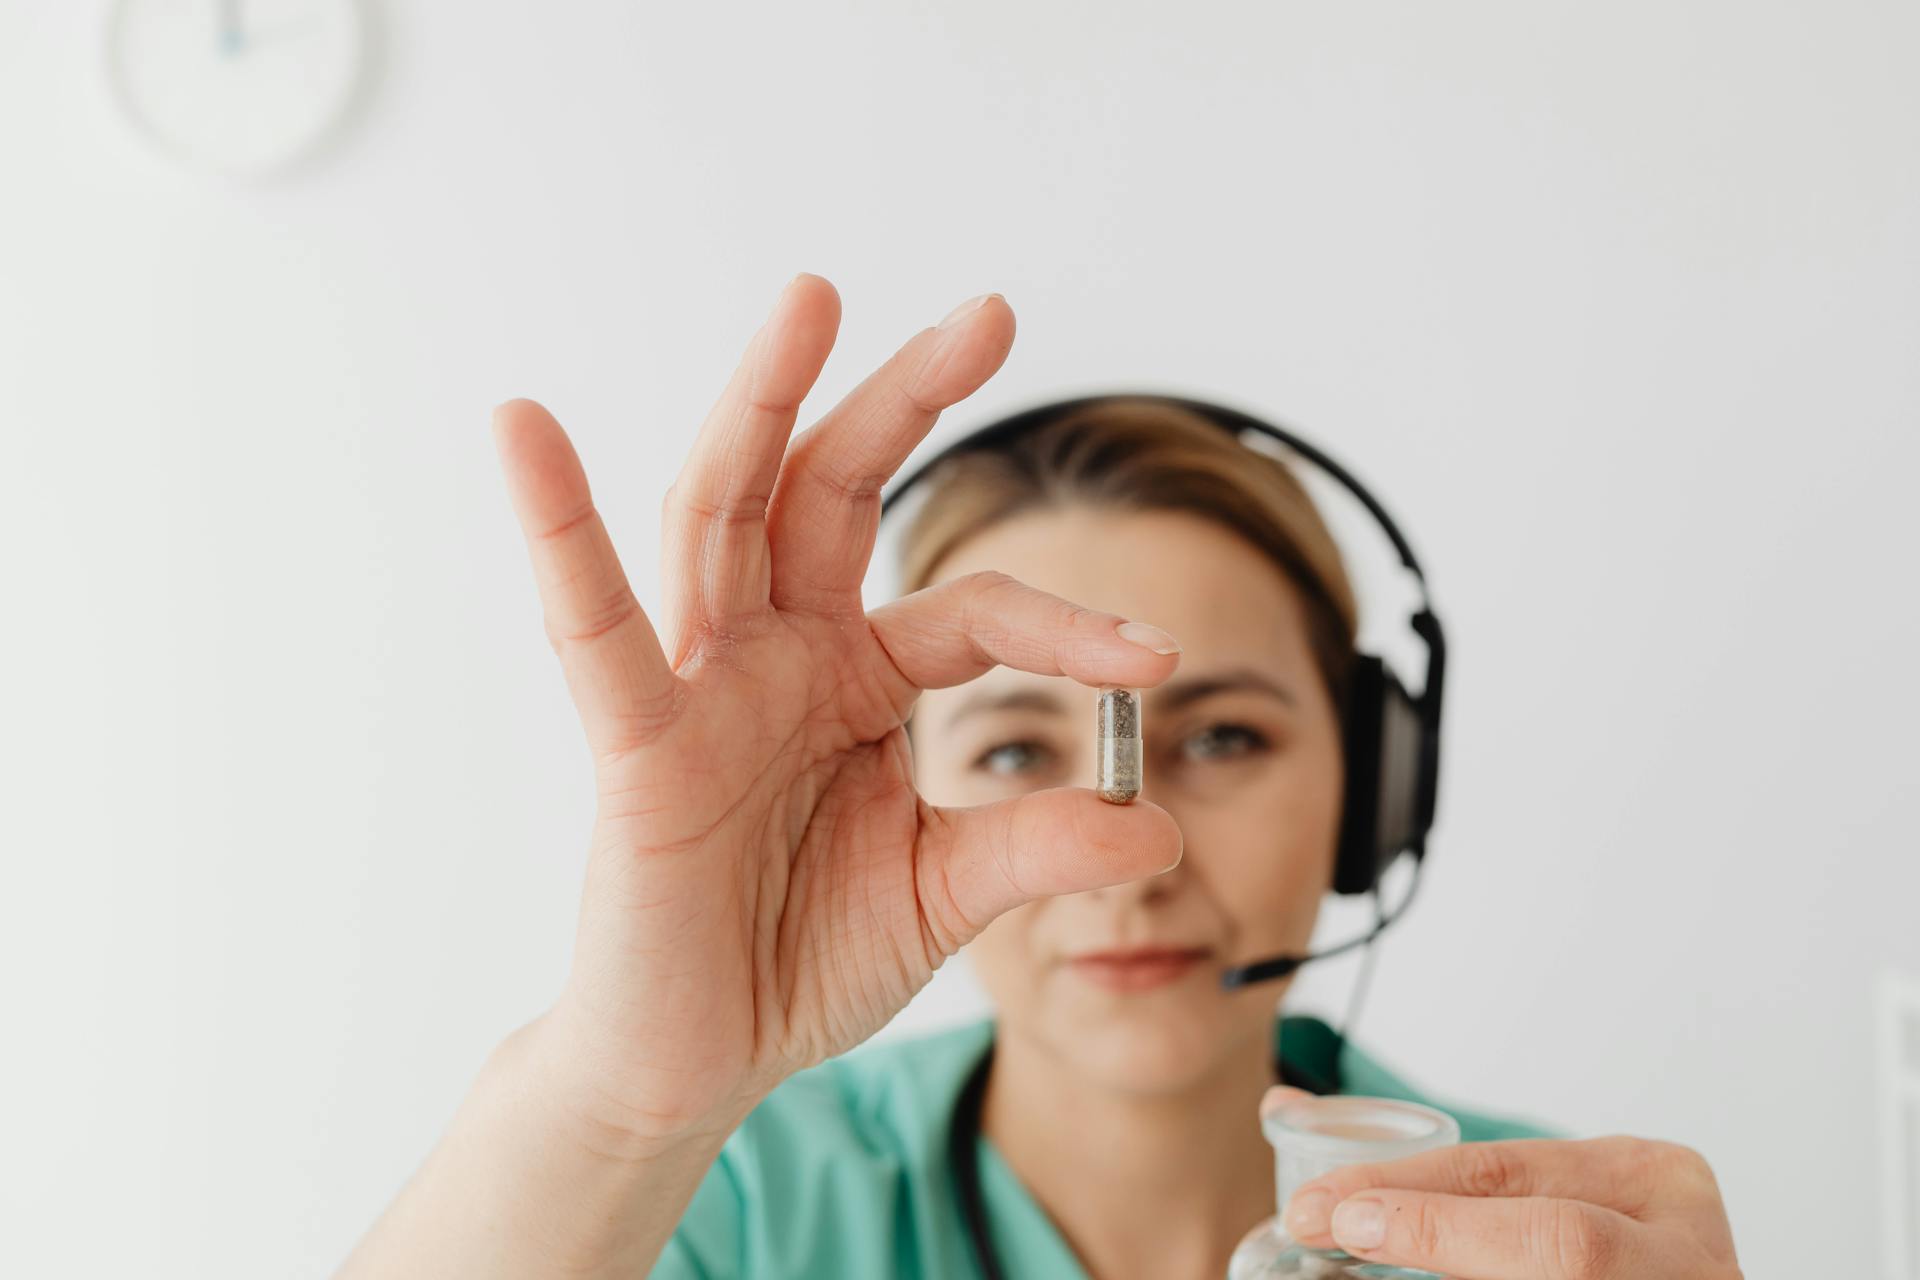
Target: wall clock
240	87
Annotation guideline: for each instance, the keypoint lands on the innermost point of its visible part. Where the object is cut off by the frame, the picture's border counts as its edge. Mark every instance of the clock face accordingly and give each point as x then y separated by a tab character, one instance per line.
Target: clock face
235	86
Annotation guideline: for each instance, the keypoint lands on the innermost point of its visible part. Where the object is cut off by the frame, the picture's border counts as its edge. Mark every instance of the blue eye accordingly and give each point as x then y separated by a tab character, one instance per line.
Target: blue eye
1011	757
1222	742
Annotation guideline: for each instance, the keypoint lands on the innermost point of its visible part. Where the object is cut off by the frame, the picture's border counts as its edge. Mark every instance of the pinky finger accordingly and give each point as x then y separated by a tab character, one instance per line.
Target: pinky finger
621	683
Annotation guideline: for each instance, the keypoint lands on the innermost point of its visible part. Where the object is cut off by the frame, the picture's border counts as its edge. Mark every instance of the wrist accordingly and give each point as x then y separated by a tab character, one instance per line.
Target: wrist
561	1188
559	1074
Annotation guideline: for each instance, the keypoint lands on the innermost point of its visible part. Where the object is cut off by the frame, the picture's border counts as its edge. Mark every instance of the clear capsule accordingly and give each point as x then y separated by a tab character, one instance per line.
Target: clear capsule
1117	745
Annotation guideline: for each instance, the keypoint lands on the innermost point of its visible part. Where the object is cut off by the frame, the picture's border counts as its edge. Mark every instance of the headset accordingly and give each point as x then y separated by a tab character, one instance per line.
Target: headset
1390	738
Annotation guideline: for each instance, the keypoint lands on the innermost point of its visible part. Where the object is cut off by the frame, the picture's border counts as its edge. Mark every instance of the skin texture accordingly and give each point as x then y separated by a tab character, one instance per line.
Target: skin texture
766	885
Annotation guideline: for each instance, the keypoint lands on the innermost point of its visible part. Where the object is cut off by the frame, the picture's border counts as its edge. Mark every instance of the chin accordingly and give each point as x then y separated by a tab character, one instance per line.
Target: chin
1161	1044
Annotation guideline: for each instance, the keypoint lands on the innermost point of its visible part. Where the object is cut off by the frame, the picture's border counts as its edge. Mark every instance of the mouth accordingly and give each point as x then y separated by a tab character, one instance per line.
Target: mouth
1136	969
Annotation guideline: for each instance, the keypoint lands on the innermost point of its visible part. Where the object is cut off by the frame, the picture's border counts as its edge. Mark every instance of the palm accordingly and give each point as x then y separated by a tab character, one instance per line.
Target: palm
768	830
766	888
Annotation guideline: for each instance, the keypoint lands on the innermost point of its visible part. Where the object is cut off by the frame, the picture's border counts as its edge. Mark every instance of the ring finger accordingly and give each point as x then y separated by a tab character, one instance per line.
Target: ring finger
714	557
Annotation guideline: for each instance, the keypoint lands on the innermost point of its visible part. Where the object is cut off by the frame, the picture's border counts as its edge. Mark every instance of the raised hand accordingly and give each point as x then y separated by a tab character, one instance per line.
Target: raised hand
765	888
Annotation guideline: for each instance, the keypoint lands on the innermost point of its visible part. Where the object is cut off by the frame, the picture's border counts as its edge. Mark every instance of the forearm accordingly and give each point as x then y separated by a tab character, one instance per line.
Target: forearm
521	1185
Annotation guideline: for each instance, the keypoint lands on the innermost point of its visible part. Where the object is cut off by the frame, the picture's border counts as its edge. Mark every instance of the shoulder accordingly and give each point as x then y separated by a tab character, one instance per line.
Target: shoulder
1308	1044
832	1164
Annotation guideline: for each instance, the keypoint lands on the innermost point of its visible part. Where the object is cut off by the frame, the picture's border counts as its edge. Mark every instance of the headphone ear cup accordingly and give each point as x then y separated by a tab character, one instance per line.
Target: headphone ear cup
1356	864
1385	807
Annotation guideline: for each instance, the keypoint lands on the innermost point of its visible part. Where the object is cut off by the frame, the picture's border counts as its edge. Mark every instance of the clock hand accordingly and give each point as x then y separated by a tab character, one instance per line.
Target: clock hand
232	38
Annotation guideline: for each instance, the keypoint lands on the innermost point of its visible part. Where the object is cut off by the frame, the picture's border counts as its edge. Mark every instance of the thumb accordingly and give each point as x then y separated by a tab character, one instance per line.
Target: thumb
974	864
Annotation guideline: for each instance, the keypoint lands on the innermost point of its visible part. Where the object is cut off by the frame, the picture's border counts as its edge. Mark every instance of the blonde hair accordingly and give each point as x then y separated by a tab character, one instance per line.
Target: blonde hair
1141	455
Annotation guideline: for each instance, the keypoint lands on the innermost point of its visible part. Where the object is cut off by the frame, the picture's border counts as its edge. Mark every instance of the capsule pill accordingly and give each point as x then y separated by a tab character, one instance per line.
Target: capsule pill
1117	745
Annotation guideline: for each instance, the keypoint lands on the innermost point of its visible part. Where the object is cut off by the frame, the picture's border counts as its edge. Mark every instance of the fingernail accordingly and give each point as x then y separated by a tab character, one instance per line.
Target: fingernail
1307	1213
964	310
1359	1224
1147	637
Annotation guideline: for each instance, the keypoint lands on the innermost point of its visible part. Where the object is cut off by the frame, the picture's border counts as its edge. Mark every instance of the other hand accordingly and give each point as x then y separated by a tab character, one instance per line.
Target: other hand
1614	1208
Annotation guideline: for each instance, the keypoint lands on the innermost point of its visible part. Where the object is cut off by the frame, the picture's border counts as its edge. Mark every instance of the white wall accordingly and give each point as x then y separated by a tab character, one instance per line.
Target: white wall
1617	304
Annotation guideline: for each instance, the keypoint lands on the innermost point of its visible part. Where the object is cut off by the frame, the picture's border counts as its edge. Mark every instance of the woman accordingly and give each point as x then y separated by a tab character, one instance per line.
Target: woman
777	867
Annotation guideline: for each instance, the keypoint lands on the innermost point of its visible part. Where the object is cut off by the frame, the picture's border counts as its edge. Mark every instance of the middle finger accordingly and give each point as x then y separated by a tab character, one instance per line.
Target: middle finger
826	504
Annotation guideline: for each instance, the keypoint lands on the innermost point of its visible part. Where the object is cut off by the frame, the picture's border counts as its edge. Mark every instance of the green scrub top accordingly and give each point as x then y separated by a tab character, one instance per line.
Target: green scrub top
843	1170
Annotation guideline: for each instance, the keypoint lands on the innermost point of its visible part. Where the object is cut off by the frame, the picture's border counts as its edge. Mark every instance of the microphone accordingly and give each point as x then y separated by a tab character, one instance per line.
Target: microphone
1281	965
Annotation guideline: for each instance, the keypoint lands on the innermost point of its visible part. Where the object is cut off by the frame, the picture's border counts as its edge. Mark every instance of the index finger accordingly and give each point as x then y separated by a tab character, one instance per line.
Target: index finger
1519	1238
949	633
1628	1175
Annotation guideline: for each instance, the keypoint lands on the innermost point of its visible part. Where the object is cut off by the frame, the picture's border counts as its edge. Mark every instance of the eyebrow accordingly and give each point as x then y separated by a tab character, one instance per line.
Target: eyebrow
1180	693
1171	696
1011	700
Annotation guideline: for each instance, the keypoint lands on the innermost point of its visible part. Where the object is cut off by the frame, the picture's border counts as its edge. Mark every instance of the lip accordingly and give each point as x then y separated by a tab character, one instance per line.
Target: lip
1136	968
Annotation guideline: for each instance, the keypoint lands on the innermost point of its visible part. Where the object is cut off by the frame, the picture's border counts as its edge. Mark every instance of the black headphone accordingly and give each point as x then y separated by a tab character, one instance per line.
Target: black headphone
1391	738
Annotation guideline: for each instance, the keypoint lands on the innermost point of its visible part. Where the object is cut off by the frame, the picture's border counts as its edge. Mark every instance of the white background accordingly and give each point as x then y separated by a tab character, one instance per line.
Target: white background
1617	305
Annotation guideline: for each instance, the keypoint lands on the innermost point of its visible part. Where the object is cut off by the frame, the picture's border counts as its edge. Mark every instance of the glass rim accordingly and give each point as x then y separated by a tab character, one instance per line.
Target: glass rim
1291	1126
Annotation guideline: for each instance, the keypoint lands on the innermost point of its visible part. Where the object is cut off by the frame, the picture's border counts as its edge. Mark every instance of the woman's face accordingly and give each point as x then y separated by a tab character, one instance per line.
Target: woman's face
1241	747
